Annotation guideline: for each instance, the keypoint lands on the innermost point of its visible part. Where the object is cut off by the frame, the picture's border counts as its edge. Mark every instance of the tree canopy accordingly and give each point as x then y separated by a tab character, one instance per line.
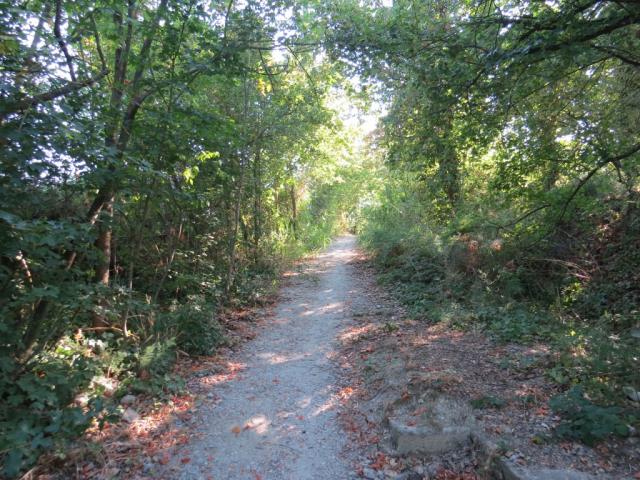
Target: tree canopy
161	159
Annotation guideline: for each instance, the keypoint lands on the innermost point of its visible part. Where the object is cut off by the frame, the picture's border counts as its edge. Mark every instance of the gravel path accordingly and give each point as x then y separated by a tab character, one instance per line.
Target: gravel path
278	418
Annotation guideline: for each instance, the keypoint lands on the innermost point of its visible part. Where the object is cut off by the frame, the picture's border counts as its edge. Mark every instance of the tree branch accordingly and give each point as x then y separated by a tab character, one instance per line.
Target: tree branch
52	94
146	46
631	151
96	36
61	42
616	54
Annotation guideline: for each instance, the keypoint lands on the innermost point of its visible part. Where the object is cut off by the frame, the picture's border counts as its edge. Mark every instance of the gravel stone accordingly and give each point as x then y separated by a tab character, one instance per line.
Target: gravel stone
128	399
130	415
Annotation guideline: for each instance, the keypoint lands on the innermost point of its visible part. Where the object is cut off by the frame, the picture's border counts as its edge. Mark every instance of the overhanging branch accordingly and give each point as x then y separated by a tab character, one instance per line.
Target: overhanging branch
25	103
626	154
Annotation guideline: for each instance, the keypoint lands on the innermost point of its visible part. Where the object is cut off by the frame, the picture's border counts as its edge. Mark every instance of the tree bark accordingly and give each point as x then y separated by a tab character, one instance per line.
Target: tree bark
257	206
294	211
234	235
103	244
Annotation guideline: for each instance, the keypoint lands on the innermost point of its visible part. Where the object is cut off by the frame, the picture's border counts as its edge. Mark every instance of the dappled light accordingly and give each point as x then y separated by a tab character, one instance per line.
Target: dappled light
229	373
354	333
276	358
343	239
341	396
280	397
258	424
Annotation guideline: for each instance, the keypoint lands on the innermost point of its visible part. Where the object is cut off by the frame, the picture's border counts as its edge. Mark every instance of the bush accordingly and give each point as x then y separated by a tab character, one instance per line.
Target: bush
585	421
196	330
573	286
157	358
36	411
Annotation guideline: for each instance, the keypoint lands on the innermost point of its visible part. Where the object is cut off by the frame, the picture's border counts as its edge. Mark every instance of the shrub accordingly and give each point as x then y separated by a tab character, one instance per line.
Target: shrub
36	411
157	358
585	421
196	330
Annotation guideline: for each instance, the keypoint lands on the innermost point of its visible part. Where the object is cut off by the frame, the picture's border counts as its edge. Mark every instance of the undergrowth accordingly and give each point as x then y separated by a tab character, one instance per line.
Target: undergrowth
569	288
78	380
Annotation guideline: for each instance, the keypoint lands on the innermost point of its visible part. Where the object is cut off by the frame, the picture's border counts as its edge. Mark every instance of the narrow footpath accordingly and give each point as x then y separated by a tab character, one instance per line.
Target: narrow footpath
340	383
278	418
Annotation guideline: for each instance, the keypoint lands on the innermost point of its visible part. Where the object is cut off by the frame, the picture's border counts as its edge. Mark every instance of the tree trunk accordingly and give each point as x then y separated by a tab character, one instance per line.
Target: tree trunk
294	211
103	244
235	227
240	193
449	172
172	255
257	206
549	148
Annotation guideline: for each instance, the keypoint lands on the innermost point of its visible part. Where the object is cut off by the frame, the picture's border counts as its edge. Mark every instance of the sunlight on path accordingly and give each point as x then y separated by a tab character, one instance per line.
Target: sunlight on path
277	419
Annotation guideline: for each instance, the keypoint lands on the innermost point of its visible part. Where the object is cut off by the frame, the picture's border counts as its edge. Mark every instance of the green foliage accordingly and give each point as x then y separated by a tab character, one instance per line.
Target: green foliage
160	386
157	358
517	322
390	327
196	328
171	167
502	208
524	286
585	421
165	168
36	411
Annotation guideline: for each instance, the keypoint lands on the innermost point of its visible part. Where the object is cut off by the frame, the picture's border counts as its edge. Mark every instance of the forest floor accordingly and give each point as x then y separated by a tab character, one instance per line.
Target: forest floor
312	381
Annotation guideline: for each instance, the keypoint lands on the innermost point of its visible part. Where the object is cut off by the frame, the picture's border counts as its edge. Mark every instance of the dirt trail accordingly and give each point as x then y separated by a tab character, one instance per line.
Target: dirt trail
278	418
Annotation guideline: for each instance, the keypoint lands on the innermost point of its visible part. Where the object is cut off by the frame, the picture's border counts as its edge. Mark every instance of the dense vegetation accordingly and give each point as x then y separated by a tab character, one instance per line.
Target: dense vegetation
160	160
510	202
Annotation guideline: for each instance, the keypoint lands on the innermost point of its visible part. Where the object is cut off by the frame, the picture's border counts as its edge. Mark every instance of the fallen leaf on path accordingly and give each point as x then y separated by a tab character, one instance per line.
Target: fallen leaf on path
541	411
380	462
236	430
345	393
185	460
